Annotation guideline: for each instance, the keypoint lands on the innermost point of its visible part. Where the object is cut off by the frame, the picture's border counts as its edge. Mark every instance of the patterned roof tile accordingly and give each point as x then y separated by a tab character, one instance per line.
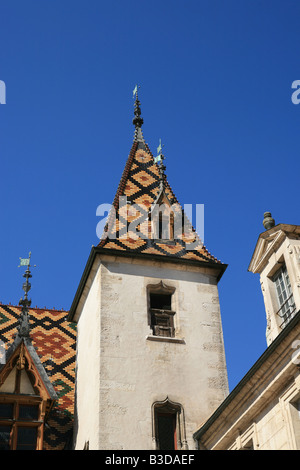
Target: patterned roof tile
55	341
140	183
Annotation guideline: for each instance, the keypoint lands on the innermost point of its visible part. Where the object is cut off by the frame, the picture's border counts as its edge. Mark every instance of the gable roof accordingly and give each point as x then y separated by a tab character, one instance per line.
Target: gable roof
15	348
268	242
53	346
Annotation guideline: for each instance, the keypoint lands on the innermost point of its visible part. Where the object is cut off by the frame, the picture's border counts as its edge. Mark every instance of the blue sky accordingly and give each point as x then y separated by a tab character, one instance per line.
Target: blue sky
215	82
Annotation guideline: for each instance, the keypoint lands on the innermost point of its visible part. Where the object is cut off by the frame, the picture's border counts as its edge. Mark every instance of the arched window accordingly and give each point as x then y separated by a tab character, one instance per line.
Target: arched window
168	426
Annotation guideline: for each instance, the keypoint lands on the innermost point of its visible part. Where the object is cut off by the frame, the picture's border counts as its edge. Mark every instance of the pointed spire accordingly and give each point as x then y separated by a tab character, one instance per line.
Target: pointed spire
137	120
24	327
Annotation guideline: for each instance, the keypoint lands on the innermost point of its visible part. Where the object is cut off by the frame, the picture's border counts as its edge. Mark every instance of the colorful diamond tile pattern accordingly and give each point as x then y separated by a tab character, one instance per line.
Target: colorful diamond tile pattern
55	341
140	183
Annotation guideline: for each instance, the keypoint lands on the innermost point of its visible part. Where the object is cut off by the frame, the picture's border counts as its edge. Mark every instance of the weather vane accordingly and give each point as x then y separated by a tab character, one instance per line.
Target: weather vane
25	261
159	156
134	93
27	275
24	327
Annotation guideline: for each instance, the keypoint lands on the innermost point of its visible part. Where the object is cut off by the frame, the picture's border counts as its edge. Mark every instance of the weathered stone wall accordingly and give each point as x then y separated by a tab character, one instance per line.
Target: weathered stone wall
136	369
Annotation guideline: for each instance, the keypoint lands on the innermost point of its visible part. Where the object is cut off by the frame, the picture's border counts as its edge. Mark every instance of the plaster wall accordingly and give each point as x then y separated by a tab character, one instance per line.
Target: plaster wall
87	405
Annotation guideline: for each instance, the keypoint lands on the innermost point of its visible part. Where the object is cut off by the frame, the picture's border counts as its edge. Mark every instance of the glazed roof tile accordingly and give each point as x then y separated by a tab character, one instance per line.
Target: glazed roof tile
54	339
141	185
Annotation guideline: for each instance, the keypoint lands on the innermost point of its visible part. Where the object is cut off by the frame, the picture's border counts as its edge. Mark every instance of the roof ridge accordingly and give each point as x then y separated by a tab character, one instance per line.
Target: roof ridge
33	308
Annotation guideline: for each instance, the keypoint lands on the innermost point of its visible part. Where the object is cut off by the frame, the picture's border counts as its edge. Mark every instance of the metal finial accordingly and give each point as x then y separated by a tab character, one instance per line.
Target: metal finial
268	221
23	327
137	120
161	167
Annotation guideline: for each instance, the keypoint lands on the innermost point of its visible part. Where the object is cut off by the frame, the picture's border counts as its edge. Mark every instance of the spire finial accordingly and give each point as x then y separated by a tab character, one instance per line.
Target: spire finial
23	327
137	120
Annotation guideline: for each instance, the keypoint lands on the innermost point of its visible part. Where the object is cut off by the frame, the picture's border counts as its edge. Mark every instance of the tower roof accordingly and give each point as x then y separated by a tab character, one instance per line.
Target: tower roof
143	186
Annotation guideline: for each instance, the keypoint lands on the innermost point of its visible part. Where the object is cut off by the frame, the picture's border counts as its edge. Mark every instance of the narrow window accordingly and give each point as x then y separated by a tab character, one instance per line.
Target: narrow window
162	316
166	431
172	236
284	295
160	226
168	426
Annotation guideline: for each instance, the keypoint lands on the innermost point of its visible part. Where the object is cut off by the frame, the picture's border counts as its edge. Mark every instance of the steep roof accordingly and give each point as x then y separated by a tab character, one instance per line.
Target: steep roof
144	184
53	348
144	187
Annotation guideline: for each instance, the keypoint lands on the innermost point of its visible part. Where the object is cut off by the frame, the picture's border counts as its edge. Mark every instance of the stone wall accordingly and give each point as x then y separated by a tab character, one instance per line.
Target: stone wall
123	369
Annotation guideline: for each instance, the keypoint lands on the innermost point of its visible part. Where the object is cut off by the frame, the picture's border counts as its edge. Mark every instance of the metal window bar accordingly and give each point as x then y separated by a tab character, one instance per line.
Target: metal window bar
287	310
284	295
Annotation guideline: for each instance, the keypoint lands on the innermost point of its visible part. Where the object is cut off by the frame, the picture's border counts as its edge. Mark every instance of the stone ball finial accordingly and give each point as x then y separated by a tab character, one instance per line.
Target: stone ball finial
268	221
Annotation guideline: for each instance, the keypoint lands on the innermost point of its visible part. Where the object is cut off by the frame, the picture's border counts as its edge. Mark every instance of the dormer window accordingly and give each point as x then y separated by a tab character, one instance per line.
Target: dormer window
284	295
26	398
162	224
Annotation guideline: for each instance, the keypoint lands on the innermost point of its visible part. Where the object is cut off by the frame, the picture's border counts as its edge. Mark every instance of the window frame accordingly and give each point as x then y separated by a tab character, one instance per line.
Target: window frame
172	415
155	315
286	308
176	411
15	422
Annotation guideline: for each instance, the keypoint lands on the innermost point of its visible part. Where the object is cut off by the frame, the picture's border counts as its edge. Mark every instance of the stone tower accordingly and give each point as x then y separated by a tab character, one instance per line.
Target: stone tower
277	260
150	356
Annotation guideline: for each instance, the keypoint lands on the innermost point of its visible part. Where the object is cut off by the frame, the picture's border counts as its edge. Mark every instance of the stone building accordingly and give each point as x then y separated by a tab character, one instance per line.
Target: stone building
138	362
149	333
263	410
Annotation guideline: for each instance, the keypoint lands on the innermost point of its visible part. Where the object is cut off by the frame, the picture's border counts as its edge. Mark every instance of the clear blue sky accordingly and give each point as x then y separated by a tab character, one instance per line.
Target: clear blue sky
215	82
